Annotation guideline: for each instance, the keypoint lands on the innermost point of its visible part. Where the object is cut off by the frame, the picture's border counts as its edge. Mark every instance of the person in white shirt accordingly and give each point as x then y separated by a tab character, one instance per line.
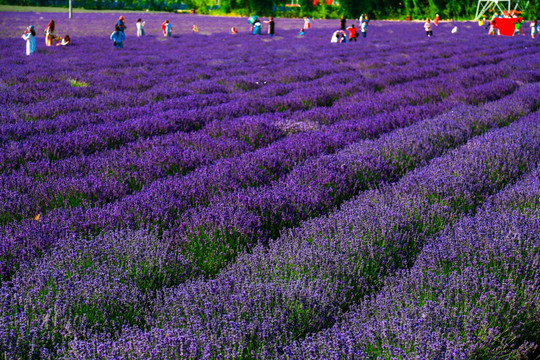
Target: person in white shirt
30	37
534	28
307	22
363	26
65	41
428	28
140	28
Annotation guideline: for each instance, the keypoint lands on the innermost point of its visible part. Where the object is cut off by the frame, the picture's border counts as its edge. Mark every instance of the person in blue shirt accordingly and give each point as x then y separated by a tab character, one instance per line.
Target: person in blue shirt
121	23
257	27
118	37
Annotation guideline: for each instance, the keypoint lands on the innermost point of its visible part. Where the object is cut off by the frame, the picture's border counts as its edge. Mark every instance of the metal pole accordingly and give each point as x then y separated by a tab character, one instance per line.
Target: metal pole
70	10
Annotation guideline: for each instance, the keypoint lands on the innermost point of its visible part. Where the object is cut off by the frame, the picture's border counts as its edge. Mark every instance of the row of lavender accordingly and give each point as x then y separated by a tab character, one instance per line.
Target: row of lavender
213	236
85	291
472	293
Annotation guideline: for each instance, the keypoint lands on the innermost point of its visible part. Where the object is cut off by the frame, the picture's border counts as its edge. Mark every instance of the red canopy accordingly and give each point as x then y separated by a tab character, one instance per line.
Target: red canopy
507	26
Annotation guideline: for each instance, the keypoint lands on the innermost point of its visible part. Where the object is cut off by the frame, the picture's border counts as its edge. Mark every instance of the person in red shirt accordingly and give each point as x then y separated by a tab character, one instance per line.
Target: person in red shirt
436	20
353	32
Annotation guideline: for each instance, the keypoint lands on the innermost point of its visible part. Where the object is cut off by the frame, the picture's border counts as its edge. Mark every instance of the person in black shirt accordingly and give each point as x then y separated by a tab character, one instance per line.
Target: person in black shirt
343	22
271	26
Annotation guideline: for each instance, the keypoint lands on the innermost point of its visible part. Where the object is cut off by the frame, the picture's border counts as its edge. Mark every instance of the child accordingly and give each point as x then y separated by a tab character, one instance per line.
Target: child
271	26
534	28
49	34
140	27
65	41
427	27
302	31
30	37
118	37
167	28
352	32
234	31
517	22
194	28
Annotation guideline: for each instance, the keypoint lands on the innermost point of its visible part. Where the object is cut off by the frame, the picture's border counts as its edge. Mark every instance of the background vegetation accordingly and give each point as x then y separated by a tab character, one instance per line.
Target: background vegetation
377	9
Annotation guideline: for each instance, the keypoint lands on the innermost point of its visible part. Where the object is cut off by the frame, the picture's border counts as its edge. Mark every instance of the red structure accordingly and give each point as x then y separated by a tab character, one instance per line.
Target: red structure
328	2
507	26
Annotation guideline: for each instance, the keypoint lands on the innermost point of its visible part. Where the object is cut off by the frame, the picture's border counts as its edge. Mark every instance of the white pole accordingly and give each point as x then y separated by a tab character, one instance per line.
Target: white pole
70	10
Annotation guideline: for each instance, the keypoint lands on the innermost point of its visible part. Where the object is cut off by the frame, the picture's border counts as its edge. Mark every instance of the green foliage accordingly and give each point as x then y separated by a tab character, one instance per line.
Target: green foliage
352	9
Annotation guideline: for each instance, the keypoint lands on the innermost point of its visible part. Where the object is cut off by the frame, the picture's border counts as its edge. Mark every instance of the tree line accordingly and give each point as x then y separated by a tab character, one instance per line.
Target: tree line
377	9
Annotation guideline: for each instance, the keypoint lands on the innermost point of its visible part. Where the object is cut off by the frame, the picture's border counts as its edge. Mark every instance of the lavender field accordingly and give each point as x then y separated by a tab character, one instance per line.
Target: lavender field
218	196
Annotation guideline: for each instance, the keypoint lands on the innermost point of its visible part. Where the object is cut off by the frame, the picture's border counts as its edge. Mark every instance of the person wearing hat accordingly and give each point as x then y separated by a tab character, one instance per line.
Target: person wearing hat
30	37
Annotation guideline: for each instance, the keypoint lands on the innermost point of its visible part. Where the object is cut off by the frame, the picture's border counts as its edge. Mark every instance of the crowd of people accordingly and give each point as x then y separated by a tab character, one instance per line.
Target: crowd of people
339	36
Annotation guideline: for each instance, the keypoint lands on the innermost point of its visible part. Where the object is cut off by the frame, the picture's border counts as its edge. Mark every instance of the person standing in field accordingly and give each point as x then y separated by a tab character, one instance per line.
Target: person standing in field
534	28
118	37
49	34
307	22
352	33
271	26
140	28
343	22
30	37
492	28
121	23
428	28
436	20
517	23
363	26
257	27
167	28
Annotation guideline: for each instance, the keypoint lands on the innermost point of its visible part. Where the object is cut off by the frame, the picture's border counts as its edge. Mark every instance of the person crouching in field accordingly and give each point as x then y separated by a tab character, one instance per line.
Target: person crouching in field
30	37
65	41
167	28
118	37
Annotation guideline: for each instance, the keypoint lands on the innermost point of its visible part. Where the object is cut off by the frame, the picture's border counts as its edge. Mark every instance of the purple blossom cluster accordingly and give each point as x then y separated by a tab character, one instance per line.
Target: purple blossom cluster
235	196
